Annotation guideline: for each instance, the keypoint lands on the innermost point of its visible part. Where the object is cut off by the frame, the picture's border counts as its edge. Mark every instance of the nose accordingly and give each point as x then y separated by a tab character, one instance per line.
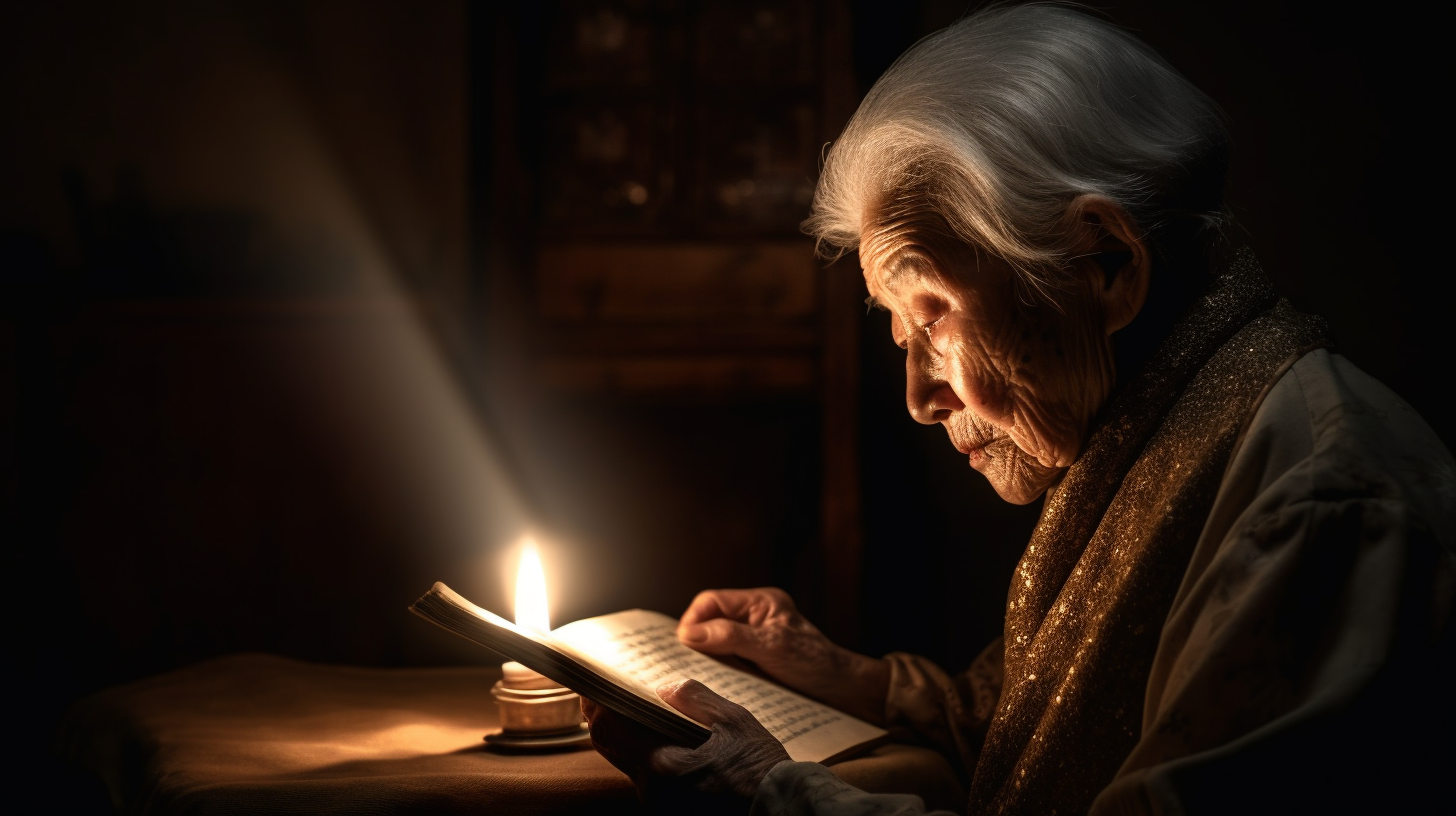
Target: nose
928	396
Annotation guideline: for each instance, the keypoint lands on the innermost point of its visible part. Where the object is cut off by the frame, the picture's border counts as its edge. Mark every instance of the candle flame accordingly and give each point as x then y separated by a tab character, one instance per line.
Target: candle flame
531	593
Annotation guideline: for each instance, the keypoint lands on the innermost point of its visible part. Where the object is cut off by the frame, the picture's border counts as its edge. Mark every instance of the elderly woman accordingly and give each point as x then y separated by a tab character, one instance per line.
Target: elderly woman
1238	592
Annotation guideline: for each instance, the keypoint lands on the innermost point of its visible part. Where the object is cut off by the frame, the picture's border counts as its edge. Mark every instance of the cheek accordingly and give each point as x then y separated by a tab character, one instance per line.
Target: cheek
1048	354
977	377
1041	362
1064	373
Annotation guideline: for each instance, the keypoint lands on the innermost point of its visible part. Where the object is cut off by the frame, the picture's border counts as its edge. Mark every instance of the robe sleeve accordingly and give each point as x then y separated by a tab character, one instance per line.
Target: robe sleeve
924	706
927	706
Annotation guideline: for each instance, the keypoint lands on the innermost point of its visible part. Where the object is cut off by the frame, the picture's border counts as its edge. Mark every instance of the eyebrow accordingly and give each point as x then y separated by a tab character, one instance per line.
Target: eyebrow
900	268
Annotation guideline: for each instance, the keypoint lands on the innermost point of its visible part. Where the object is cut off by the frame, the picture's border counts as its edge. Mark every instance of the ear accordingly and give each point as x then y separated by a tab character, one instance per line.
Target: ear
1110	250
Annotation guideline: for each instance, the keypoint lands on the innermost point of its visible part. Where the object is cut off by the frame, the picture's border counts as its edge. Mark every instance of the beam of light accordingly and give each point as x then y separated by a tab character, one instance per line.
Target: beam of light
355	213
391	391
355	231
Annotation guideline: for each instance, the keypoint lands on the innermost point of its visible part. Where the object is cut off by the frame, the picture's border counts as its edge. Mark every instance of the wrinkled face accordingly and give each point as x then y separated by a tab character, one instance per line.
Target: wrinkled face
1015	385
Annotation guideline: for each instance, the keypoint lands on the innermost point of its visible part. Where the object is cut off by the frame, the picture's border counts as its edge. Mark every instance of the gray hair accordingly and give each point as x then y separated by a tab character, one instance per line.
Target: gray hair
998	122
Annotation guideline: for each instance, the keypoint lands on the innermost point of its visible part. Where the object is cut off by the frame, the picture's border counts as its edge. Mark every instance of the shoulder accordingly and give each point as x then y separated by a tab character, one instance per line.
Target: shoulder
1328	432
1307	634
1339	497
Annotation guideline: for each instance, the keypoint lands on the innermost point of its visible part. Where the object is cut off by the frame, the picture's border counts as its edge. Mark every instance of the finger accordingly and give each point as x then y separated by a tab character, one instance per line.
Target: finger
674	760
725	637
591	710
746	605
715	603
751	607
625	743
702	703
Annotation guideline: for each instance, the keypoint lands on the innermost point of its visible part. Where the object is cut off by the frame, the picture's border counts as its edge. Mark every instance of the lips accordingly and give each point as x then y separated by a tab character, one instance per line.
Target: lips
974	439
975	452
977	457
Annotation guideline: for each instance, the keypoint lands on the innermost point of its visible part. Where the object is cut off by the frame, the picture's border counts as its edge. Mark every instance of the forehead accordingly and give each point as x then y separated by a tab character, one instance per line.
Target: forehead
903	254
896	252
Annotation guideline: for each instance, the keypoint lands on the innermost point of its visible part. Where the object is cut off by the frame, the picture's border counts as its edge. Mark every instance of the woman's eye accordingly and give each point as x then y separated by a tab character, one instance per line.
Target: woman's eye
931	326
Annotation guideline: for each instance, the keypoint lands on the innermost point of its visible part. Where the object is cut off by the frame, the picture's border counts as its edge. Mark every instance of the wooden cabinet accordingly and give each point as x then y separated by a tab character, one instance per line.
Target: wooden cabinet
650	163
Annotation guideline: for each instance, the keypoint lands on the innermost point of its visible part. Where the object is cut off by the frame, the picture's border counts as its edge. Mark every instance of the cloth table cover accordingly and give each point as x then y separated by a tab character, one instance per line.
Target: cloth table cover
257	733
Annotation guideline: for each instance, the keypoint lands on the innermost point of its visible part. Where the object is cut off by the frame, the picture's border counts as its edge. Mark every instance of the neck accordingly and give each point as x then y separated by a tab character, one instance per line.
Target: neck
1173	289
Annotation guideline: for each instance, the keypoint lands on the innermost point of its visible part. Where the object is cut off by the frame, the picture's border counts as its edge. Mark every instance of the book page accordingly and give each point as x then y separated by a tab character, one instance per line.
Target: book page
643	646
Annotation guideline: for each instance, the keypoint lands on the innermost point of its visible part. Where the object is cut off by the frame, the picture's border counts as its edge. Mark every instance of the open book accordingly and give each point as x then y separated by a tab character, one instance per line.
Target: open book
619	660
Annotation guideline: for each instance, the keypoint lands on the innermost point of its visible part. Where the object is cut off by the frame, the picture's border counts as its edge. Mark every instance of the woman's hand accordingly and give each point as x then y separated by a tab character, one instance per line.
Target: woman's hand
763	627
720	776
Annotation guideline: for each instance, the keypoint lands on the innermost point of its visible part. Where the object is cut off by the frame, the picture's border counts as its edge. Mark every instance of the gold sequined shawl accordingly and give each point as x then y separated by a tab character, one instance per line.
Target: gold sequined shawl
1093	588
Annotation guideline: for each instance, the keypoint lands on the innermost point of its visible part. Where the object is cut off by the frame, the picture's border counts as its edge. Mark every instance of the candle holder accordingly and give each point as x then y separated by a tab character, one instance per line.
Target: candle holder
537	718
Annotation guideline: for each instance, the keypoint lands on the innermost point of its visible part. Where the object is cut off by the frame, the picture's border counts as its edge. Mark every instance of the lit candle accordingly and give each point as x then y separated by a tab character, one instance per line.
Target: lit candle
532	614
536	713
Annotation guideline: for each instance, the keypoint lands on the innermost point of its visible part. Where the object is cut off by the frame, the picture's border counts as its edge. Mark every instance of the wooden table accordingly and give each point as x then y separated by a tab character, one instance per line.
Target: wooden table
264	734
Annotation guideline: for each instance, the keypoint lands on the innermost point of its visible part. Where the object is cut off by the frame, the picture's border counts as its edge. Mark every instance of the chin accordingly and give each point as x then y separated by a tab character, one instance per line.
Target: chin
1021	480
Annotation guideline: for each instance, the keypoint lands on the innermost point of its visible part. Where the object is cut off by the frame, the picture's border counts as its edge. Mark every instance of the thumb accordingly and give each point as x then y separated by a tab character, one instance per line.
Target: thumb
700	702
721	636
673	760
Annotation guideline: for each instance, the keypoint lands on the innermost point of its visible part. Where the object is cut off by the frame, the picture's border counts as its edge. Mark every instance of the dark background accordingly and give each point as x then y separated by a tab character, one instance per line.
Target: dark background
292	327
